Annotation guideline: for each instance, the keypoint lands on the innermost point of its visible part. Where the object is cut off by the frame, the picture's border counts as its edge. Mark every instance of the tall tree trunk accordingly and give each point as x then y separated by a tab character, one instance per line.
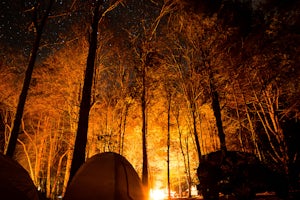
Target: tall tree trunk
217	111
181	145
38	152
49	165
240	136
28	159
144	131
123	127
82	130
168	146
32	172
67	171
38	161
188	167
72	124
193	109
252	129
53	139
28	74
8	124
58	172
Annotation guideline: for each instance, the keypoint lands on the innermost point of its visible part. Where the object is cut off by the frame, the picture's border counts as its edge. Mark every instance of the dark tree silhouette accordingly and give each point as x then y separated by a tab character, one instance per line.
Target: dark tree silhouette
82	130
22	98
85	105
217	112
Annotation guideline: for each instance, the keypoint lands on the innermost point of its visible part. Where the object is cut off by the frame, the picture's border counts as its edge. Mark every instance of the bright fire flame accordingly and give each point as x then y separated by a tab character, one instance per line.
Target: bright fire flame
160	194
157	194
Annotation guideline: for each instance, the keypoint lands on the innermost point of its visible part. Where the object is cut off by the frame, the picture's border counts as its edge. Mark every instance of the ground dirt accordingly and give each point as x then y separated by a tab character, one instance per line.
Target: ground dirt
292	196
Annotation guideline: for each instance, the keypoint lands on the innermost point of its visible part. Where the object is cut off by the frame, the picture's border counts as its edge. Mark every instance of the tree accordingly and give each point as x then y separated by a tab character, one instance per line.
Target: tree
182	57
263	65
8	98
81	136
79	153
168	146
22	99
50	117
145	51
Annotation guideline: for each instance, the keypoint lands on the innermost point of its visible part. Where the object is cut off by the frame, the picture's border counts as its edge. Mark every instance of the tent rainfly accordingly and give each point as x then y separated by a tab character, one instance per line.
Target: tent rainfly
15	182
105	176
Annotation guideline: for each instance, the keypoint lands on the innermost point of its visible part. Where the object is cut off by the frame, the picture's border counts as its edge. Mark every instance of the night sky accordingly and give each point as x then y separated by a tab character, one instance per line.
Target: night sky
68	21
17	31
14	25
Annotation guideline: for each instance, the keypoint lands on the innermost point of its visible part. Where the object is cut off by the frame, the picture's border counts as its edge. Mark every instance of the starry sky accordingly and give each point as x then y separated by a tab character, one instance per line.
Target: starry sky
68	20
17	31
13	25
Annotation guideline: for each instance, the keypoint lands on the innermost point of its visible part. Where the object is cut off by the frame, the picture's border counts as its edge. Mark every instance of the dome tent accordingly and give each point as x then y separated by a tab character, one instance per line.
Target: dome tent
105	176
15	182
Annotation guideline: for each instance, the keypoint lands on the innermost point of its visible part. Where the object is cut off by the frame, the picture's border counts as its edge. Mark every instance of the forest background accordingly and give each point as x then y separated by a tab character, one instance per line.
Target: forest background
185	55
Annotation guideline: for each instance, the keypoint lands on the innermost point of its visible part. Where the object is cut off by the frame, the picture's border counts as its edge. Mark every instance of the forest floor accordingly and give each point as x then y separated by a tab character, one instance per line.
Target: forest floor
232	198
292	196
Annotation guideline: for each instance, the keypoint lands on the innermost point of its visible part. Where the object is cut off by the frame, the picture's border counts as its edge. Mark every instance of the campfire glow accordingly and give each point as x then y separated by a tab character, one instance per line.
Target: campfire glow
157	194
